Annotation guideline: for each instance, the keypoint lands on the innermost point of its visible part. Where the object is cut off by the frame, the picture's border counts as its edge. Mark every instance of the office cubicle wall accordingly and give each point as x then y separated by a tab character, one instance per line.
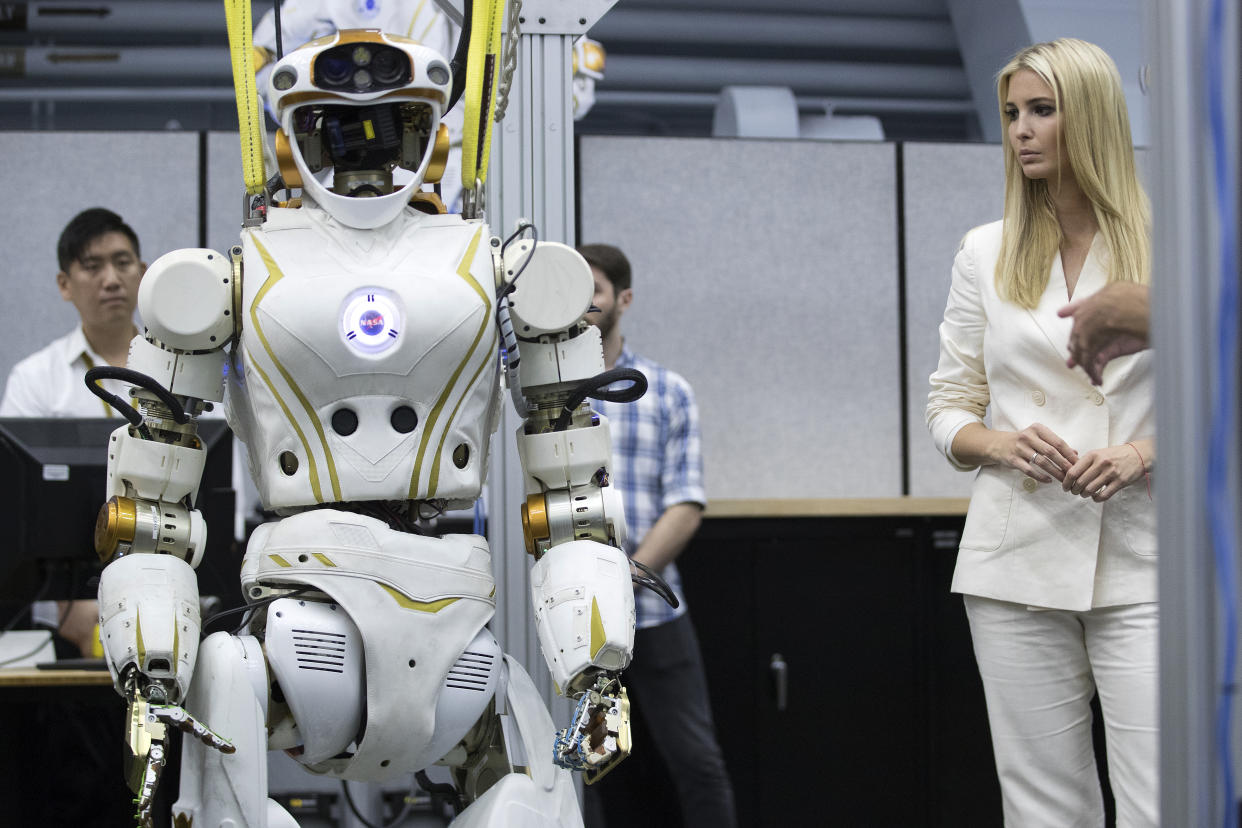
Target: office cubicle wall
771	274
225	190
948	189
150	178
765	272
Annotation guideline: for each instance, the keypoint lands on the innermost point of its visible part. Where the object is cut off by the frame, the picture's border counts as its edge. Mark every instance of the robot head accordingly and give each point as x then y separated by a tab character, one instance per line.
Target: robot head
359	114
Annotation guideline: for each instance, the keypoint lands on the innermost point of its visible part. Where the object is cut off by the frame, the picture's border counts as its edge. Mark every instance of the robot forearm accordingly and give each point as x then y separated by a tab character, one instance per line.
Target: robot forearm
572	519
151	538
584	612
149	533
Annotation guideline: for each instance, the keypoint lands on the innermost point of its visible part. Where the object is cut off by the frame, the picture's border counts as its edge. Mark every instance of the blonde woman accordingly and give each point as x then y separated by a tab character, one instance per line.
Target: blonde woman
1058	556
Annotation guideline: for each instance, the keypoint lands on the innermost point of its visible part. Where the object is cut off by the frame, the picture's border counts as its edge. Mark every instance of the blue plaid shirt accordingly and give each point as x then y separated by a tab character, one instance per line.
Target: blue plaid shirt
657	463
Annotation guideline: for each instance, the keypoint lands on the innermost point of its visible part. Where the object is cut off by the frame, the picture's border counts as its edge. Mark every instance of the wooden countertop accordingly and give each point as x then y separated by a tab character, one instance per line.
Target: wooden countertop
837	507
30	677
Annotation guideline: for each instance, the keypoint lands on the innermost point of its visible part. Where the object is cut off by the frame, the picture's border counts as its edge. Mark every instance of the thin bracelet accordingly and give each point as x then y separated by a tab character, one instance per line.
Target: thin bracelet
1143	464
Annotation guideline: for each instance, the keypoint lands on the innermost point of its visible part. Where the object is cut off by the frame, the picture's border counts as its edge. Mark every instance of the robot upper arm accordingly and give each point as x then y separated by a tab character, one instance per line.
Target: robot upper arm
188	305
186	300
551	292
554	291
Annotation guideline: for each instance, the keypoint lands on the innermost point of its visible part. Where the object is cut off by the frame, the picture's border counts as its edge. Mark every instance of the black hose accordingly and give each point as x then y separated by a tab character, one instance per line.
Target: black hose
248	608
510	285
280	47
142	381
458	64
650	580
441	789
125	409
597	388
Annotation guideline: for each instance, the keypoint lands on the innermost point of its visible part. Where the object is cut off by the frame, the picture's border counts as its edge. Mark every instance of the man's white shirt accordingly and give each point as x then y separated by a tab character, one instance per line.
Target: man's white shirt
50	382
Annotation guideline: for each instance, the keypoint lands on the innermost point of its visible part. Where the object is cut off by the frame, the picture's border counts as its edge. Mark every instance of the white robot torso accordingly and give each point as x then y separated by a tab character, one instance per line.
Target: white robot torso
367	365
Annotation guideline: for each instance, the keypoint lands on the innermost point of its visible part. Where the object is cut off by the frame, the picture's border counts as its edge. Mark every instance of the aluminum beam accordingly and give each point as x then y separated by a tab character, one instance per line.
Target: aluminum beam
531	176
1184	289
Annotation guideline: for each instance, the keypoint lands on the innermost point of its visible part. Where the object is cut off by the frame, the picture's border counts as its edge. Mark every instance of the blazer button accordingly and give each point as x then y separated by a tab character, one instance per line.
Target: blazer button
1097	398
1030	485
1037	397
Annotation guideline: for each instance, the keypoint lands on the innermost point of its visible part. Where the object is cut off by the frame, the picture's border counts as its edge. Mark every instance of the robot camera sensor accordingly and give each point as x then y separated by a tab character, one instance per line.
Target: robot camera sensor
359	68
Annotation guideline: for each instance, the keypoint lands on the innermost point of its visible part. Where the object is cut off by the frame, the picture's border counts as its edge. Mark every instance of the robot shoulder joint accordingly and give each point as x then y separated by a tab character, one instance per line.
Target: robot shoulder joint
186	300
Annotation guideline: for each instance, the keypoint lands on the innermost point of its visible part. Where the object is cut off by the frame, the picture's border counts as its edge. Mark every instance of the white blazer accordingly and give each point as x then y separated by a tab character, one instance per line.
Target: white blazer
1025	541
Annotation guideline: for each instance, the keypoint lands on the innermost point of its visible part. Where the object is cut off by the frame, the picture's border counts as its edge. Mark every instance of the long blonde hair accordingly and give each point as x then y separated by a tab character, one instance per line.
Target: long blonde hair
1095	141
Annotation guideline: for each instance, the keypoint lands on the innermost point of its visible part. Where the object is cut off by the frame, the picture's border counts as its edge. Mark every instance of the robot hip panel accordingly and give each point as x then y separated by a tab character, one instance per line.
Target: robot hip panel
417	603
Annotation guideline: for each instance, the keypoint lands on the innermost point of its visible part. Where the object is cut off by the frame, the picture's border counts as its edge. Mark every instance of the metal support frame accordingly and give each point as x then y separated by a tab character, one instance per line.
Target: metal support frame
531	177
1185	303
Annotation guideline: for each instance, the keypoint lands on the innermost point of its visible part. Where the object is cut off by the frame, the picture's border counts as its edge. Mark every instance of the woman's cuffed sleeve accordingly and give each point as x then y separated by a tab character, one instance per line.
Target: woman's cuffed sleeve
959	387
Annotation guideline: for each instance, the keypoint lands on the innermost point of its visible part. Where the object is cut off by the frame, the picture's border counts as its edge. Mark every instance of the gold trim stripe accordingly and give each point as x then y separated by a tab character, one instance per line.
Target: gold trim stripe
140	644
90	363
435	464
406	602
463	270
274	275
323	559
409	30
435	16
598	636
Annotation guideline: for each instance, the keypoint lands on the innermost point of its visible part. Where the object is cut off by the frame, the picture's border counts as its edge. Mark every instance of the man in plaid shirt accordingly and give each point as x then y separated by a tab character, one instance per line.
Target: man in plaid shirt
658	466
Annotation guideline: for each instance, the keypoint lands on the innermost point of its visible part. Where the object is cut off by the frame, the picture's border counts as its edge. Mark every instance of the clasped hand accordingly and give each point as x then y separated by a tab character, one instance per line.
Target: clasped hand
1038	452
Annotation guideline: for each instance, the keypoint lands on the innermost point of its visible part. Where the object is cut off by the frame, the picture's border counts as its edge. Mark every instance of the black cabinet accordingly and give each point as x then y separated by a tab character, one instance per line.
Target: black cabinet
843	684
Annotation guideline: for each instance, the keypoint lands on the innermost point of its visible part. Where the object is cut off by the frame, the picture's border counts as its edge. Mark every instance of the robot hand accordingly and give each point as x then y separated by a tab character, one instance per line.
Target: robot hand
147	738
598	736
149	624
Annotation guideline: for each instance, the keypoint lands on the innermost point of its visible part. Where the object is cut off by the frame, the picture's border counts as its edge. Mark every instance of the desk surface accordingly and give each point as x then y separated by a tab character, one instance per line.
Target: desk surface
837	507
30	677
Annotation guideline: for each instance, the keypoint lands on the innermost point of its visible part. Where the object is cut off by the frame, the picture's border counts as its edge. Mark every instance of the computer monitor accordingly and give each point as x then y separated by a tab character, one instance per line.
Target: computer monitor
53	474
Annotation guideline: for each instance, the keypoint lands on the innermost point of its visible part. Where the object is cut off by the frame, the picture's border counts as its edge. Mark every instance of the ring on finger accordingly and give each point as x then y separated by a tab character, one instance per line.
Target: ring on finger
1033	456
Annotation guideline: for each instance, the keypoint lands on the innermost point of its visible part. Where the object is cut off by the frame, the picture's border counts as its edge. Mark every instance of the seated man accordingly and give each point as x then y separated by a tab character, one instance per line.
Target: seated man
100	269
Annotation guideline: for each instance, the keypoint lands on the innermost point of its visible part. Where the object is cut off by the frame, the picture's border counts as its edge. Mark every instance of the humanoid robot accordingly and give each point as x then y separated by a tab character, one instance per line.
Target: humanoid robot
364	377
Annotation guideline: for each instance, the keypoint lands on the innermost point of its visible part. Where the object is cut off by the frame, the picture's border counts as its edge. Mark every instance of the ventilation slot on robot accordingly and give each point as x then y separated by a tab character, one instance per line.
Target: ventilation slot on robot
471	672
316	650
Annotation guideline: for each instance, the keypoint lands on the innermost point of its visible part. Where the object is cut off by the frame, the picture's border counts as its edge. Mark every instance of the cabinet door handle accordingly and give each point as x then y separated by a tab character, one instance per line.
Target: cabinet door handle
780	678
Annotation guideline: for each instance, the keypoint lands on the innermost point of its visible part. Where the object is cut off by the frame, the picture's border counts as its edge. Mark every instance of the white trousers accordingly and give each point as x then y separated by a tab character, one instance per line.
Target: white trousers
1040	669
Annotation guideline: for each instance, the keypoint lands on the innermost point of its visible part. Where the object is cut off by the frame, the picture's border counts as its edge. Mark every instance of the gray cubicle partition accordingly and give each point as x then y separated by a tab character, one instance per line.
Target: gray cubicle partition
765	272
948	189
149	178
225	190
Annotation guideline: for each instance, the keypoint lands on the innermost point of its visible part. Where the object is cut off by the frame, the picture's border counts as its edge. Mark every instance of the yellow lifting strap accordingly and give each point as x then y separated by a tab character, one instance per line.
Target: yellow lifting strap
482	67
241	39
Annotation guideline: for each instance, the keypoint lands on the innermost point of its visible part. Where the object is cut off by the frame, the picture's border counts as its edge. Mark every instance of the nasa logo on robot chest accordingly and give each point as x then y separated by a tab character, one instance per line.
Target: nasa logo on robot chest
371	321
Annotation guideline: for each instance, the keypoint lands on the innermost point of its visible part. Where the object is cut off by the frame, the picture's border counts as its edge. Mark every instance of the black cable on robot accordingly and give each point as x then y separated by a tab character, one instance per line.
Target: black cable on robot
596	387
141	380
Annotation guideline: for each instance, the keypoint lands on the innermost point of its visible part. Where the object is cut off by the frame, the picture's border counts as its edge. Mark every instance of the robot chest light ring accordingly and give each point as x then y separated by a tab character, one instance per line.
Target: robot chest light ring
371	321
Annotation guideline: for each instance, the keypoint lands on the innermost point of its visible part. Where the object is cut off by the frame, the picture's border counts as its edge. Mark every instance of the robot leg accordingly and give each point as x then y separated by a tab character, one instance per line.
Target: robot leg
544	795
229	690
